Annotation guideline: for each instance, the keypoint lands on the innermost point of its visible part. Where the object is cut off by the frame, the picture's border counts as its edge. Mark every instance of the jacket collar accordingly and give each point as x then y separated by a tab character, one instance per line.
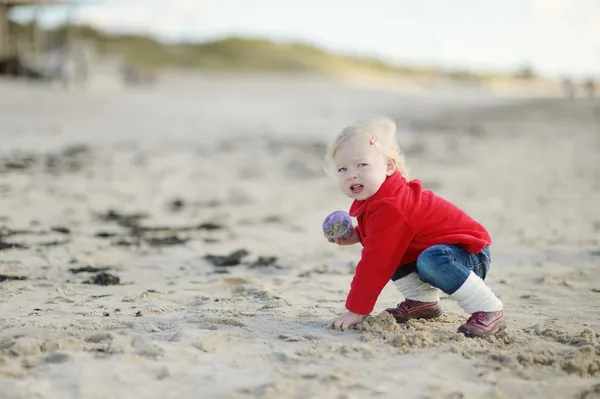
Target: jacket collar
388	188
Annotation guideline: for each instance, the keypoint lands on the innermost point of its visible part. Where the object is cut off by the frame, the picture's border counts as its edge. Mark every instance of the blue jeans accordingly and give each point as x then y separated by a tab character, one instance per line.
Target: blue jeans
447	266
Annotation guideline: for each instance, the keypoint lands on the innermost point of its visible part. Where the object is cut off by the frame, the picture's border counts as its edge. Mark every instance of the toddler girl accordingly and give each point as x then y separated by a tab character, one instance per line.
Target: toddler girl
420	241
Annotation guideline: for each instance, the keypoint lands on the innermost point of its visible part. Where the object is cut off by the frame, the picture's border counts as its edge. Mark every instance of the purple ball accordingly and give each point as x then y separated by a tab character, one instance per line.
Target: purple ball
338	224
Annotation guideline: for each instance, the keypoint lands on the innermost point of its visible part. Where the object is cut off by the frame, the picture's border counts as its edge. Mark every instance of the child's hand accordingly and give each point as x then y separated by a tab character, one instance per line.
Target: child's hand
353	239
345	321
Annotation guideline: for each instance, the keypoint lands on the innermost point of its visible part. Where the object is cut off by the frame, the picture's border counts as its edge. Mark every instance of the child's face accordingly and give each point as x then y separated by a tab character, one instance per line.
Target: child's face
361	168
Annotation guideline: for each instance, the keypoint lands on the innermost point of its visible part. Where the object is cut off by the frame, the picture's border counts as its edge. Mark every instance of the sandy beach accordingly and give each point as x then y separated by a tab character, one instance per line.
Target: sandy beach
165	242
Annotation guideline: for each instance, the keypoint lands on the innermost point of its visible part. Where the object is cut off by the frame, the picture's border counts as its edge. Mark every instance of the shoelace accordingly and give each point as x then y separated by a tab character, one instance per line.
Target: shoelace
407	304
476	317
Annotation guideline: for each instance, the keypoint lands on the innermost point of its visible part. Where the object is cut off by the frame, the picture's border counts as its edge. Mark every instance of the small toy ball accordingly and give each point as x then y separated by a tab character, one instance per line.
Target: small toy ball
338	224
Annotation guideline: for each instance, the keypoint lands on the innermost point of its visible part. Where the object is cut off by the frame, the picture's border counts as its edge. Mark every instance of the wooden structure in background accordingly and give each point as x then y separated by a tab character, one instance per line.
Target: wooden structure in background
7	47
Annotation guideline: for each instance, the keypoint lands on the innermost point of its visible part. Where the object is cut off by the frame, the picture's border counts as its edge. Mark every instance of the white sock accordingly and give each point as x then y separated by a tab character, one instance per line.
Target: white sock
474	296
412	287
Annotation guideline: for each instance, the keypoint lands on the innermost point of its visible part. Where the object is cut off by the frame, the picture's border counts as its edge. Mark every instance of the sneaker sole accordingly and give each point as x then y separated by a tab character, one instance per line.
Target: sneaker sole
500	328
431	315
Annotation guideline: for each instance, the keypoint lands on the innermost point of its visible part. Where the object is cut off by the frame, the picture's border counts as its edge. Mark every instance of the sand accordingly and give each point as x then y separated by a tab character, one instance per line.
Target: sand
200	201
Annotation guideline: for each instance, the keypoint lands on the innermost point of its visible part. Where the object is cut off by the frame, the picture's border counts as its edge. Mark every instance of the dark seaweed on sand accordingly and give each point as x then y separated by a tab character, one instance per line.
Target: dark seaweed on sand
10	245
104	279
233	259
4	277
137	232
88	269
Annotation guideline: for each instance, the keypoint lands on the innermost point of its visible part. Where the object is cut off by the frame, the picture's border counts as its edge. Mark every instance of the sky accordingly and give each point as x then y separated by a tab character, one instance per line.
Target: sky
555	37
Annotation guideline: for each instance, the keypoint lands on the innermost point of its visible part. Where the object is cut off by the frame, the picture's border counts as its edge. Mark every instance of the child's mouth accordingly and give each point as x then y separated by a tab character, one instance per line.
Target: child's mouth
356	188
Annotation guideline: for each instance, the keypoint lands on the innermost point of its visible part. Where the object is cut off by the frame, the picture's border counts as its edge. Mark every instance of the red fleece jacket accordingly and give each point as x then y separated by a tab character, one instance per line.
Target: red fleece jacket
398	223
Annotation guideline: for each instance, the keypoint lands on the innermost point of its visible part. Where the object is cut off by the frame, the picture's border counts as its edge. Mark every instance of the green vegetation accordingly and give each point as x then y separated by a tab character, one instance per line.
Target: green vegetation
243	55
235	54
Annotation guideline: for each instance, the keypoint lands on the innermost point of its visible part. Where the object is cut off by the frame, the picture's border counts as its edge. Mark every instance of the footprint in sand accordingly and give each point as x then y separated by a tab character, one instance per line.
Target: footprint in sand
225	321
213	342
133	344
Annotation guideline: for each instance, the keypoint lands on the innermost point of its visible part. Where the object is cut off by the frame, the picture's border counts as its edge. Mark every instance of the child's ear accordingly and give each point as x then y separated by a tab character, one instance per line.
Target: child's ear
391	166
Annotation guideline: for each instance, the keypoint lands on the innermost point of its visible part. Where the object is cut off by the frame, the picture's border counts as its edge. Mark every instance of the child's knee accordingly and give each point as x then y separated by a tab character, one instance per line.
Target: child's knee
430	261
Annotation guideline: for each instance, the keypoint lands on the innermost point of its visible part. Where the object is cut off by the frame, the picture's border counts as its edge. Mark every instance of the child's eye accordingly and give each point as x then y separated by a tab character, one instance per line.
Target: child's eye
362	165
341	170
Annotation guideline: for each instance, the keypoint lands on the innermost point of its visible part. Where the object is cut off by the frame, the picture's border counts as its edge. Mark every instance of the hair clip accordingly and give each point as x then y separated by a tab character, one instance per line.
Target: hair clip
373	140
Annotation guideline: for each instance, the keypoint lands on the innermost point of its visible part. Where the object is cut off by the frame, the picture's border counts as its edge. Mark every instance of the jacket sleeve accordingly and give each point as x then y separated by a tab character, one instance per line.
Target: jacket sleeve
359	232
387	236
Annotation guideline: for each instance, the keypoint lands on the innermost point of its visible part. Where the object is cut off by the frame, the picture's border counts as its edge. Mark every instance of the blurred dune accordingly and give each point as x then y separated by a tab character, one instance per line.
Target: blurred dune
235	55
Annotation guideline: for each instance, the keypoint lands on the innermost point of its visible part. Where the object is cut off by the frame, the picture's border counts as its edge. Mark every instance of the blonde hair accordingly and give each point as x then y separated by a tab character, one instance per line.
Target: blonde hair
380	130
